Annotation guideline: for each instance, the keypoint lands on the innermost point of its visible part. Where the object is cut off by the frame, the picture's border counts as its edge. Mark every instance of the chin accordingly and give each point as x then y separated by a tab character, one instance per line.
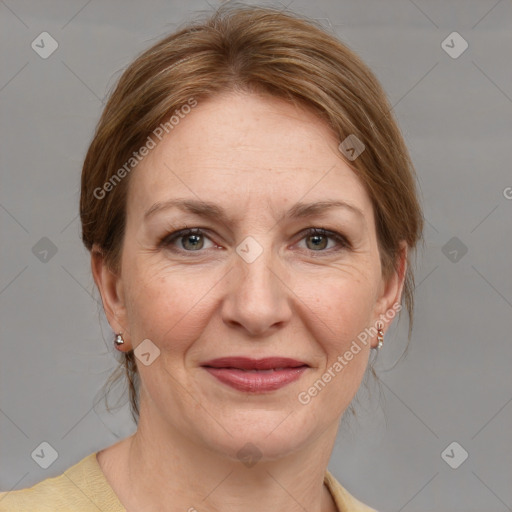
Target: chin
258	439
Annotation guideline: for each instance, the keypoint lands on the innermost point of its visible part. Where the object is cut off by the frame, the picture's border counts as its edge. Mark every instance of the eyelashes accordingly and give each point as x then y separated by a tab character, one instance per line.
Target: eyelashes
198	235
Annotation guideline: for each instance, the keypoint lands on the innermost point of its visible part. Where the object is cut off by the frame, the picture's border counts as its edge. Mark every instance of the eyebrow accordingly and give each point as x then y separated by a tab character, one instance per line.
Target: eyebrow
211	210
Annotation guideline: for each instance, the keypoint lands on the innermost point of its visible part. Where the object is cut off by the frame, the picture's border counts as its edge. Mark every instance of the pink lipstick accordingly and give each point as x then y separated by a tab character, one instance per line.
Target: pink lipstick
256	375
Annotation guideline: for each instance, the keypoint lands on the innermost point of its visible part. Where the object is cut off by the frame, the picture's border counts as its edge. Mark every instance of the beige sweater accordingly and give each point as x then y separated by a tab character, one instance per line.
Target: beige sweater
84	488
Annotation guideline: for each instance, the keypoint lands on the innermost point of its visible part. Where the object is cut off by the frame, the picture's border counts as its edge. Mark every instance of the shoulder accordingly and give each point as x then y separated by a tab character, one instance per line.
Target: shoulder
343	499
82	488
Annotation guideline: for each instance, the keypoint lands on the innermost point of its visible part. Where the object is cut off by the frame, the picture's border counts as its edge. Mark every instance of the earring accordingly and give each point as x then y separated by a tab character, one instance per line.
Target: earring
380	337
119	339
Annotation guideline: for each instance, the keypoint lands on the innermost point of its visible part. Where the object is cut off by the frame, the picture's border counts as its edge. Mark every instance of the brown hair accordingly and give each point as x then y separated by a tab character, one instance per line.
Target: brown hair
255	49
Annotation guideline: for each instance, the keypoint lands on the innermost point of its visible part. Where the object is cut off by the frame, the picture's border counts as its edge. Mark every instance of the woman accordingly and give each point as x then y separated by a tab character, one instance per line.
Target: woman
250	209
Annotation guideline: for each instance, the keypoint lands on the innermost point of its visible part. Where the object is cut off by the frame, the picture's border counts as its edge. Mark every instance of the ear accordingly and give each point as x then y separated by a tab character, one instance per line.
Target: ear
390	293
110	286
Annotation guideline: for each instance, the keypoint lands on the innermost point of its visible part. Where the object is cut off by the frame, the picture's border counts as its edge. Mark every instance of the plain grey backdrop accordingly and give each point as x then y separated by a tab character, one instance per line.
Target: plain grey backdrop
439	438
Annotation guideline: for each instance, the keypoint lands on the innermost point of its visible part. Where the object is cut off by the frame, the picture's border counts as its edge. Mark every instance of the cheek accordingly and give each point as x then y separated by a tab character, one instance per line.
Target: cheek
154	304
337	310
342	303
164	307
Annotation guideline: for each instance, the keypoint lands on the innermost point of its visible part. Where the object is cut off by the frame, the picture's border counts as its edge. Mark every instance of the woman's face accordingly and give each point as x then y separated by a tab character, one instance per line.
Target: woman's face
252	282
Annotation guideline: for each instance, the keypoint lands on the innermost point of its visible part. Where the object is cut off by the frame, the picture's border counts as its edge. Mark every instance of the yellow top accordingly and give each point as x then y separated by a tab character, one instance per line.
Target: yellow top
84	488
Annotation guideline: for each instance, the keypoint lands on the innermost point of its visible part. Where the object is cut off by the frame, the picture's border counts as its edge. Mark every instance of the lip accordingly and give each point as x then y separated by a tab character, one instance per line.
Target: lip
256	375
247	363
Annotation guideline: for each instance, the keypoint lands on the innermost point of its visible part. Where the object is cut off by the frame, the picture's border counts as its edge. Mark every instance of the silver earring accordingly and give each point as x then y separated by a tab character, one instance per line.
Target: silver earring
119	339
380	337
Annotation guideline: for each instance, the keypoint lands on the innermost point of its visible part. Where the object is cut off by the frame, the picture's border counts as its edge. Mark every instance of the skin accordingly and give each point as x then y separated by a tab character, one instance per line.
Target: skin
255	156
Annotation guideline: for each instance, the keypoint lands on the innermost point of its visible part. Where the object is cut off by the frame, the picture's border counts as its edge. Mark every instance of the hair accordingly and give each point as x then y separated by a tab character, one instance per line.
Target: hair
259	50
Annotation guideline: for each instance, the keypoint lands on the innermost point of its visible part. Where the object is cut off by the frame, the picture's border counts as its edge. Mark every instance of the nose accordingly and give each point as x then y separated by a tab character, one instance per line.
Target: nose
258	300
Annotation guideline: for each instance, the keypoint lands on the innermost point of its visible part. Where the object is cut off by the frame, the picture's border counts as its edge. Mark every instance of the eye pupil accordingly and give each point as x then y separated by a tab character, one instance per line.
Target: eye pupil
197	243
318	238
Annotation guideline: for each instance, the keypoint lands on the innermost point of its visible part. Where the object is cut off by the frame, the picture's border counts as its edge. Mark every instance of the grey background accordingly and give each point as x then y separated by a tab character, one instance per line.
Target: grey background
455	384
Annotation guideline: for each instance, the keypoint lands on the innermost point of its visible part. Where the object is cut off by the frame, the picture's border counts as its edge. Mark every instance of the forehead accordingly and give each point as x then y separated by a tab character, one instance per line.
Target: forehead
244	150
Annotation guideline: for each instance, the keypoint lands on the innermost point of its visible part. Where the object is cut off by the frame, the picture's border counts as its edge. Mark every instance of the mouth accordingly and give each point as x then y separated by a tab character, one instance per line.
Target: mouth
255	375
267	364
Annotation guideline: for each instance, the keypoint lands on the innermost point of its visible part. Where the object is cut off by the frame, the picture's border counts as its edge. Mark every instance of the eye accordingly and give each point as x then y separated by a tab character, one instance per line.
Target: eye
317	240
193	240
190	240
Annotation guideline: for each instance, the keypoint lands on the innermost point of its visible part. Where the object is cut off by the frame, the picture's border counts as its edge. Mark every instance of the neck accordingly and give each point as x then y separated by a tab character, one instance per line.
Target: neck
166	471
